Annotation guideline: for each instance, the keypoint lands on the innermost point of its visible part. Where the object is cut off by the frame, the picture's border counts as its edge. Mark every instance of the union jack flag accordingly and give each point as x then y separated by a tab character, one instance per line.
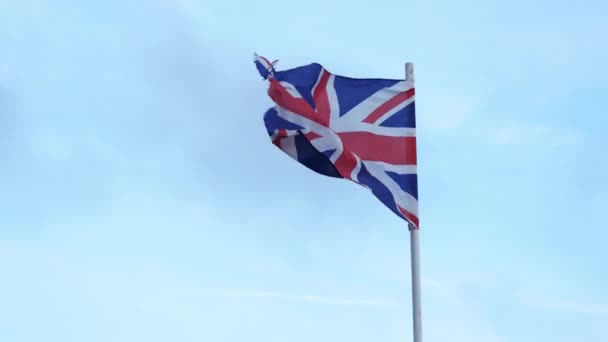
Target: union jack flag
363	130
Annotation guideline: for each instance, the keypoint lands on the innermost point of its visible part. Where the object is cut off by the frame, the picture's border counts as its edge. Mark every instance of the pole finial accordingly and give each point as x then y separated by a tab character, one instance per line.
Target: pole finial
409	71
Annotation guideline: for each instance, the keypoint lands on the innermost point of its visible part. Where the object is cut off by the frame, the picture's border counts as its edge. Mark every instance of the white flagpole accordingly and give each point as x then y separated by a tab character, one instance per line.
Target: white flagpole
416	310
415	253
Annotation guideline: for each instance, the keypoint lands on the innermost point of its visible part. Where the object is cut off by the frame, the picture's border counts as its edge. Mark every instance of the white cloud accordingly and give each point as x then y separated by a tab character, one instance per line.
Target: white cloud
458	326
309	298
455	315
452	285
530	135
566	306
444	110
50	146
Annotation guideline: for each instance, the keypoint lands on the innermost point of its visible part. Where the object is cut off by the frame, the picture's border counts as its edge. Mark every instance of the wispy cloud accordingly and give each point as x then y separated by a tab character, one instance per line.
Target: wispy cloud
454	284
445	110
567	306
309	298
461	317
459	325
533	134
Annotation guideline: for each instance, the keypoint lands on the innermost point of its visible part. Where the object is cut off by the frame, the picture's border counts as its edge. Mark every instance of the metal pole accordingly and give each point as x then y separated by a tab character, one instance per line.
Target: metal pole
416	310
415	252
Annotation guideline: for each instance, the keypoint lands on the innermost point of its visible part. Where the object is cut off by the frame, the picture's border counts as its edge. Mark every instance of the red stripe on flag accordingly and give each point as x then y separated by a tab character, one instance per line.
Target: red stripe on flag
320	97
267	62
283	98
282	133
345	164
388	105
411	217
369	146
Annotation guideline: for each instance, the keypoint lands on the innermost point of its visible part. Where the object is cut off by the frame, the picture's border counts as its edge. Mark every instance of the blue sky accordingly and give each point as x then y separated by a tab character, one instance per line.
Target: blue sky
141	199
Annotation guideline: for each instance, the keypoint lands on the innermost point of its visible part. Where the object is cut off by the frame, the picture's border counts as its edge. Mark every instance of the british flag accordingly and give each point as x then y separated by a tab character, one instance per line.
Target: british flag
363	130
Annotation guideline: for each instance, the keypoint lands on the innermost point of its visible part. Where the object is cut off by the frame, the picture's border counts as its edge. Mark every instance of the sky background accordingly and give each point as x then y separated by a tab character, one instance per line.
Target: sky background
141	199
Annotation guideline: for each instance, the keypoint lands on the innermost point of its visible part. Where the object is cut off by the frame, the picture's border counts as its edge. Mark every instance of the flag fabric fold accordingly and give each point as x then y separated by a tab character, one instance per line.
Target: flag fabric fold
363	130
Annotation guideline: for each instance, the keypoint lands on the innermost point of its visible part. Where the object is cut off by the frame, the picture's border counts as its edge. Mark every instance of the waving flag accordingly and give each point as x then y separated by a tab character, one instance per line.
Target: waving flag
363	130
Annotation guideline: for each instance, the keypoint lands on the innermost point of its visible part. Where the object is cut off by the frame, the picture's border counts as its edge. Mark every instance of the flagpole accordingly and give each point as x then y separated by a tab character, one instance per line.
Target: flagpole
416	310
415	253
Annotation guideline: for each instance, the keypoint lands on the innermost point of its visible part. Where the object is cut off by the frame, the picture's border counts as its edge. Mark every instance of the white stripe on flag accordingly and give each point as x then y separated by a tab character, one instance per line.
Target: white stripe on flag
363	109
288	145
